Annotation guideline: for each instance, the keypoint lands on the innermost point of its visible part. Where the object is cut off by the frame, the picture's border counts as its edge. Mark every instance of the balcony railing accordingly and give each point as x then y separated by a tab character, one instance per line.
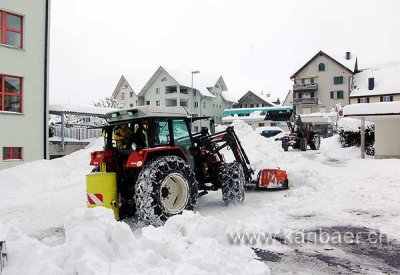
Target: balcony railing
305	87
307	100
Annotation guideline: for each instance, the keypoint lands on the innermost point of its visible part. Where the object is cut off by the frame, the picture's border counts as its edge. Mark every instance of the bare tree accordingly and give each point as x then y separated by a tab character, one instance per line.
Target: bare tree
107	102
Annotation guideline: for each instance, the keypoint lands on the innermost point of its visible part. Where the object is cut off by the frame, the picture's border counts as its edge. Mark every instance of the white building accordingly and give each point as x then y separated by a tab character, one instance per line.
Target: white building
24	81
208	97
377	84
124	94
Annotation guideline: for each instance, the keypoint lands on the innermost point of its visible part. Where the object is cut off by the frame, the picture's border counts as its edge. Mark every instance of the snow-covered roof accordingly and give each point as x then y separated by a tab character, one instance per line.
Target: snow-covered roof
386	81
228	96
349	64
371	109
265	97
201	82
79	110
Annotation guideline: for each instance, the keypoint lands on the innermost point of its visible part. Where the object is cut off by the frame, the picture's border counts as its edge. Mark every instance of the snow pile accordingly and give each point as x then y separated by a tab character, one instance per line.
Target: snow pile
45	188
97	244
352	124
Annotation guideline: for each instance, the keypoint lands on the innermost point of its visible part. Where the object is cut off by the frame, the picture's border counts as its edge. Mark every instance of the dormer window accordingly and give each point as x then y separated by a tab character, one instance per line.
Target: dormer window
321	67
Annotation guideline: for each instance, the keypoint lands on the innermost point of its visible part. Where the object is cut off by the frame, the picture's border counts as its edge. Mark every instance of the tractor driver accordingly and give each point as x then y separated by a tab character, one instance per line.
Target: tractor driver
122	136
140	136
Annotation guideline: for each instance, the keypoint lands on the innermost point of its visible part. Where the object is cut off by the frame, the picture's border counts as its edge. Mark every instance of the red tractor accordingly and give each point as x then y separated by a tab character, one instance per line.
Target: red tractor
163	172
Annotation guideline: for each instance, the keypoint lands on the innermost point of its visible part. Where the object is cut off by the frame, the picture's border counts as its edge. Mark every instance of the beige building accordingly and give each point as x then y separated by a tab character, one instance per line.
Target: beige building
323	82
377	84
24	81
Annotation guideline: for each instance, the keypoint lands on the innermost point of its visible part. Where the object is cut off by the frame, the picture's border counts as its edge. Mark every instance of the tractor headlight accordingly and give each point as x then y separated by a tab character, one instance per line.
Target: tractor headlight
133	146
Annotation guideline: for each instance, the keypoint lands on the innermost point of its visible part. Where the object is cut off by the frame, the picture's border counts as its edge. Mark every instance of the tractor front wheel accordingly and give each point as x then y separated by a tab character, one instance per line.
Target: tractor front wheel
165	187
232	179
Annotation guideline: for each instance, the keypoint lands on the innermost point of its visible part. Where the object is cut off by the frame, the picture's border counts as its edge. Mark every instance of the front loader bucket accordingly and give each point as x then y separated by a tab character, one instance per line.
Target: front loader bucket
272	178
3	256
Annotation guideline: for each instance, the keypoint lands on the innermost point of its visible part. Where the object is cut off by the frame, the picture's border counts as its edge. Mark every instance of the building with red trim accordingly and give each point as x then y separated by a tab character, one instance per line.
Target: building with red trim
23	81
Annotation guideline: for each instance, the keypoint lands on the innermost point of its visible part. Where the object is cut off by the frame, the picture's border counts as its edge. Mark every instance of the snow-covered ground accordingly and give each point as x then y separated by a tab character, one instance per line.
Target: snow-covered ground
49	230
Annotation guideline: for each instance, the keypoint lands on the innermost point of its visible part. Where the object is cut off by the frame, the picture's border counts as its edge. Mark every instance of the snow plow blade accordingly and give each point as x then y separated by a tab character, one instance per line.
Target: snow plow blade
3	256
272	179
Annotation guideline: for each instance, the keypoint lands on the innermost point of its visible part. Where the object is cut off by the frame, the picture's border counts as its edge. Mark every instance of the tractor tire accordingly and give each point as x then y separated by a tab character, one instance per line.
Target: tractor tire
165	187
315	142
285	144
303	144
232	179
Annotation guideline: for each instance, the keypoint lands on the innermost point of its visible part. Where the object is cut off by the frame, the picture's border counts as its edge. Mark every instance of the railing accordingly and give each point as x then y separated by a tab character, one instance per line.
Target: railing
309	100
305	87
77	133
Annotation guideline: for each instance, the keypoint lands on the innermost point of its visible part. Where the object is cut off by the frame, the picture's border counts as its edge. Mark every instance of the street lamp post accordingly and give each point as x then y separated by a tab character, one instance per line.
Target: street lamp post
193	92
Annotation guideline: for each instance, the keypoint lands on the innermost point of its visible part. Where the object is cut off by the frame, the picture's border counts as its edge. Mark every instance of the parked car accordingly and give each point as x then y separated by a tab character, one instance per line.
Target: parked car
269	131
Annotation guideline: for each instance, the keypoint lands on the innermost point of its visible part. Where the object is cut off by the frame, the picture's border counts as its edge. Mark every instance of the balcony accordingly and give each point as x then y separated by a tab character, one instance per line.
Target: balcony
305	87
306	100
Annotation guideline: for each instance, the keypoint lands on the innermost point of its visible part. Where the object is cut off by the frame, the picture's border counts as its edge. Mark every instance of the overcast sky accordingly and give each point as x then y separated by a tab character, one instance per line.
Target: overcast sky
254	45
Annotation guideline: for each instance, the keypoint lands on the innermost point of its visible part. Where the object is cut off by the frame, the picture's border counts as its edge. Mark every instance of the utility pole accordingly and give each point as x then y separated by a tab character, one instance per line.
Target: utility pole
193	93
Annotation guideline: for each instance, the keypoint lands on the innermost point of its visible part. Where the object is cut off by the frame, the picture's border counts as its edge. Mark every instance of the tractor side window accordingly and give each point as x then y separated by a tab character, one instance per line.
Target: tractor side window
181	133
161	135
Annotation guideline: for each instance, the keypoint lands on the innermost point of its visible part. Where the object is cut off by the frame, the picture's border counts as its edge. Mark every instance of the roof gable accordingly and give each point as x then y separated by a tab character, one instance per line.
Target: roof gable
261	97
342	63
122	81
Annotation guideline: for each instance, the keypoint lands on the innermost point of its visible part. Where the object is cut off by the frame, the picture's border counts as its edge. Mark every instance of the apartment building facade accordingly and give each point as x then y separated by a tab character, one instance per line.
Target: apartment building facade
23	81
205	96
323	82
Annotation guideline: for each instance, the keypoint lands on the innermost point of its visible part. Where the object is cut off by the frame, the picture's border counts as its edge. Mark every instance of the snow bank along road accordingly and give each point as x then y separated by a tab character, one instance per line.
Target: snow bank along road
333	194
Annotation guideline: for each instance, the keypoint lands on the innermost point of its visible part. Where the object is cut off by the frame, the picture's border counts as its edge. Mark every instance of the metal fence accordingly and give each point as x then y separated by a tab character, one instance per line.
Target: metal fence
77	132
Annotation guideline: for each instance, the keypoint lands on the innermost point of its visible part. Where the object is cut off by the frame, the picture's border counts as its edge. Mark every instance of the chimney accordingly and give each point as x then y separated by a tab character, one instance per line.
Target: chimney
348	55
371	83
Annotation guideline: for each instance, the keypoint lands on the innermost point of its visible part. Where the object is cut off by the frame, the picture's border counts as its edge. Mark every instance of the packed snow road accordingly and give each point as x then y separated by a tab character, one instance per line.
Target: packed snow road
333	194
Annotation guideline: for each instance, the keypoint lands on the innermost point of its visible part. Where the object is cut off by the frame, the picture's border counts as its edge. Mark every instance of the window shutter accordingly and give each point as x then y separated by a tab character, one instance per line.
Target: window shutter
358	100
391	98
332	95
381	98
367	99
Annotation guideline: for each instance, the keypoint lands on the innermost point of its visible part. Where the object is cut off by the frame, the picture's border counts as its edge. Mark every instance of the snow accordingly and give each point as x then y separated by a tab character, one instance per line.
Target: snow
78	109
228	96
379	108
269	128
386	81
351	124
329	187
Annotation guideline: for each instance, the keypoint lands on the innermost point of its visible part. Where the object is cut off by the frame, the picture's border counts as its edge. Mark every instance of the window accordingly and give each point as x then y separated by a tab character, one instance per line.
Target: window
131	105
157	103
181	134
12	153
122	96
10	93
386	98
164	79
363	100
338	80
213	105
204	105
337	95
321	67
196	104
162	129
148	102
157	90
131	94
11	29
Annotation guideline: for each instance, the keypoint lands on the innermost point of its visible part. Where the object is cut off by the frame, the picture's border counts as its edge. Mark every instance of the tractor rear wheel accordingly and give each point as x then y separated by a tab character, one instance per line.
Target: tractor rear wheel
315	142
303	144
165	187
232	179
